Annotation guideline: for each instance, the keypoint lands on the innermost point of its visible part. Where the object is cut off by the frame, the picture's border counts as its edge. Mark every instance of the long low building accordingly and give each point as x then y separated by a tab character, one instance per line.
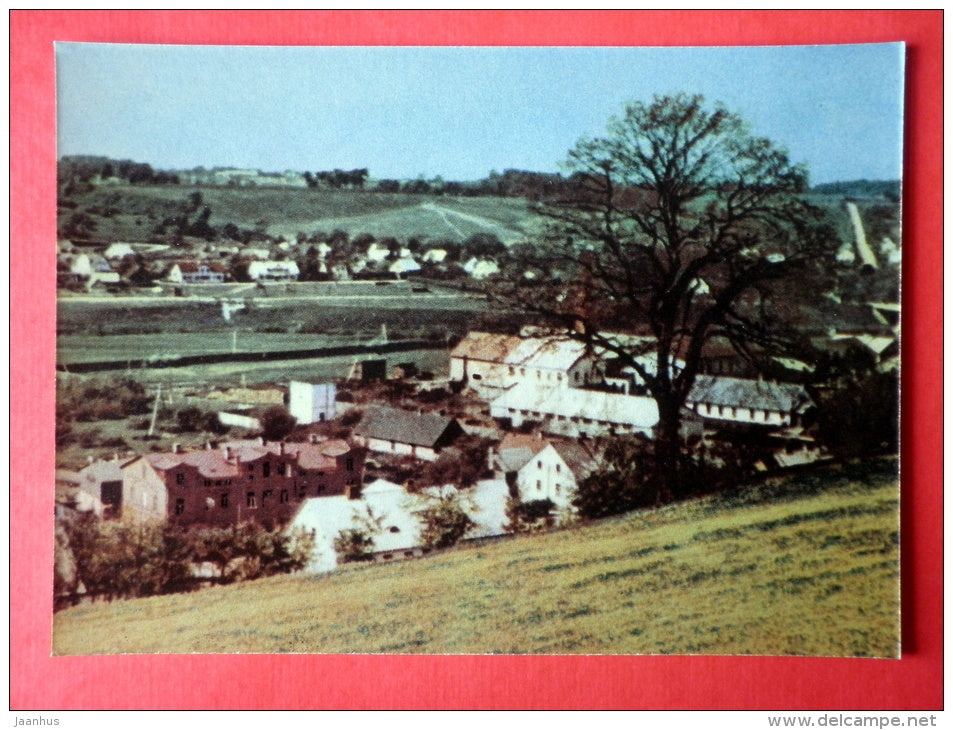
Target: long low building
744	401
575	412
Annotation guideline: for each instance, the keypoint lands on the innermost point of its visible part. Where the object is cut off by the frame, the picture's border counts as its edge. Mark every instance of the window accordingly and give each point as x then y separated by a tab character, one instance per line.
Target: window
539	485
321	488
224	500
208	482
179	506
266	469
265	495
349	464
251	468
394	528
250	501
180	478
539	464
558	468
284	496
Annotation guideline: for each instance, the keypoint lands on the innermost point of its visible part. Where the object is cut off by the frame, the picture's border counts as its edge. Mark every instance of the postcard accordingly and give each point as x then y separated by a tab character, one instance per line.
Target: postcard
520	350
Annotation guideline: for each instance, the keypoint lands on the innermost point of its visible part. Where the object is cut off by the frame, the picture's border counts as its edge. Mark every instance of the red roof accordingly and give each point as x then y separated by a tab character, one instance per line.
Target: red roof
211	463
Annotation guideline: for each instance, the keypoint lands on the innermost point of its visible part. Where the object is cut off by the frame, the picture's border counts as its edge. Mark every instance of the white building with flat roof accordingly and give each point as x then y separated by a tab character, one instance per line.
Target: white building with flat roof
310	403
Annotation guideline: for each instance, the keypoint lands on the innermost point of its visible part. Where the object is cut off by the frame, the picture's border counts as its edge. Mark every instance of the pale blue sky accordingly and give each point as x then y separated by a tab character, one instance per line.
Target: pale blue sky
460	112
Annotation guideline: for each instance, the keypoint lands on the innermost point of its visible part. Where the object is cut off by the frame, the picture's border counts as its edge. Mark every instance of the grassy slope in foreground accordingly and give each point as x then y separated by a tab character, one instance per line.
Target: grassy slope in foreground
804	566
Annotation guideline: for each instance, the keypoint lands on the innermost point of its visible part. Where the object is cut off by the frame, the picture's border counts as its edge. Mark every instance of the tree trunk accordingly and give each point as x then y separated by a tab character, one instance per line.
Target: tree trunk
667	450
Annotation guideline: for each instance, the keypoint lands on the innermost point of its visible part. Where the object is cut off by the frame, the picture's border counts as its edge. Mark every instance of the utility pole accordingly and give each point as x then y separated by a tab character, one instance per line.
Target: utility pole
155	411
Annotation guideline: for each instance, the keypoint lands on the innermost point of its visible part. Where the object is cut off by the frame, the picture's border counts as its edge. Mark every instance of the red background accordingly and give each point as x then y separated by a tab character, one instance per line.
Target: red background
39	682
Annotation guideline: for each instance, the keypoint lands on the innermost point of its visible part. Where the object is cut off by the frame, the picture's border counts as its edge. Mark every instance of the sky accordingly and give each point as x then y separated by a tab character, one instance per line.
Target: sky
460	112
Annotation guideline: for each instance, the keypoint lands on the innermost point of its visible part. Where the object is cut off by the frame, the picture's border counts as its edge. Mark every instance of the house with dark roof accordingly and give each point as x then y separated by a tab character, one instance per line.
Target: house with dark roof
742	401
396	431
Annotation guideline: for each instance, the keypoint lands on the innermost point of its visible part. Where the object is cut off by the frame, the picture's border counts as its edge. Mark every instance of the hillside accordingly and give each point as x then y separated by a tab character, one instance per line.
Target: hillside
133	212
802	566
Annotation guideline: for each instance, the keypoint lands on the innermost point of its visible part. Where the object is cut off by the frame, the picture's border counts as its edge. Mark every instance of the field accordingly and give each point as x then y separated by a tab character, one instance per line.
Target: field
289	211
806	565
338	311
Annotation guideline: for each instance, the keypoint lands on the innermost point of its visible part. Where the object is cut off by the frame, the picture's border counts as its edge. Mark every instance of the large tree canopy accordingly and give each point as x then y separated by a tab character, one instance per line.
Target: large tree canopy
681	225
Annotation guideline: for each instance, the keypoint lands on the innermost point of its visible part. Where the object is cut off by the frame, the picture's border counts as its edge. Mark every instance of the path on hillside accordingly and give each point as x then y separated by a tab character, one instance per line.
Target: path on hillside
860	238
475	219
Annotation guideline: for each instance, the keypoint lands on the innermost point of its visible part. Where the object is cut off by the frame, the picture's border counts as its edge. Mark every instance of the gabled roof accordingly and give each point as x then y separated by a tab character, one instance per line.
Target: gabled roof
548	354
579	459
406	427
516	449
746	393
486	346
101	471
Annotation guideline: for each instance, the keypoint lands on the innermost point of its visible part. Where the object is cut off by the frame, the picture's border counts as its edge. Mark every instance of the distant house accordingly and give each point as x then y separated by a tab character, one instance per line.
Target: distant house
245	480
405	265
310	403
754	402
536	467
273	271
194	272
395	431
118	250
579	413
435	256
481	268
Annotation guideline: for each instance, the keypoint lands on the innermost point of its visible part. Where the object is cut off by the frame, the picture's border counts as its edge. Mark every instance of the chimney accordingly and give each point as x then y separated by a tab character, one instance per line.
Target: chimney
177	448
261	441
208	445
281	448
353	491
313	438
228	453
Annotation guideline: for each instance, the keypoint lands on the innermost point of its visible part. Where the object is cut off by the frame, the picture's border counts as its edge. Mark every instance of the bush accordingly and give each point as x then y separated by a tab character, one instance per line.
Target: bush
532	516
354	545
276	423
444	524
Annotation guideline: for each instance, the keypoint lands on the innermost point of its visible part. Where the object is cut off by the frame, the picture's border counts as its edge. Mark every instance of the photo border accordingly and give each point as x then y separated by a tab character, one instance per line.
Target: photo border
257	682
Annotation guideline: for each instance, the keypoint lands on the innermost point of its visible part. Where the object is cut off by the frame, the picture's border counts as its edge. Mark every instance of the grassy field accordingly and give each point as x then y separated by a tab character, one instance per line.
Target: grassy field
802	566
288	211
353	311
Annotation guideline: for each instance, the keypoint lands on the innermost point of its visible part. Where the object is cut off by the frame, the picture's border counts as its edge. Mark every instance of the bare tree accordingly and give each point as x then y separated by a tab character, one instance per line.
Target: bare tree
682	225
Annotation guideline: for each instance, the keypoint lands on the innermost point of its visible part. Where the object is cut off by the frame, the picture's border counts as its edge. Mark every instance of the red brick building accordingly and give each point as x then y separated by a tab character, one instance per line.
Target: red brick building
244	481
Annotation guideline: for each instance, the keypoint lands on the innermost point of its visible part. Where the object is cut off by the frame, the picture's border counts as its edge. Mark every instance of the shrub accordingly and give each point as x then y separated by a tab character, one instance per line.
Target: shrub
444	524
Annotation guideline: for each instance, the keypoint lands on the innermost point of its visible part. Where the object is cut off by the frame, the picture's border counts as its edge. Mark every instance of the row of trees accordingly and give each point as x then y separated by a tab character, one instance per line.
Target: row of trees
115	559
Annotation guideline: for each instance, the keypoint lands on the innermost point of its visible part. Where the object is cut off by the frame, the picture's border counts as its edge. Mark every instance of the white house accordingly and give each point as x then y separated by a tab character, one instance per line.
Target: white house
385	511
481	268
495	362
310	403
273	271
543	468
755	402
389	515
404	265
